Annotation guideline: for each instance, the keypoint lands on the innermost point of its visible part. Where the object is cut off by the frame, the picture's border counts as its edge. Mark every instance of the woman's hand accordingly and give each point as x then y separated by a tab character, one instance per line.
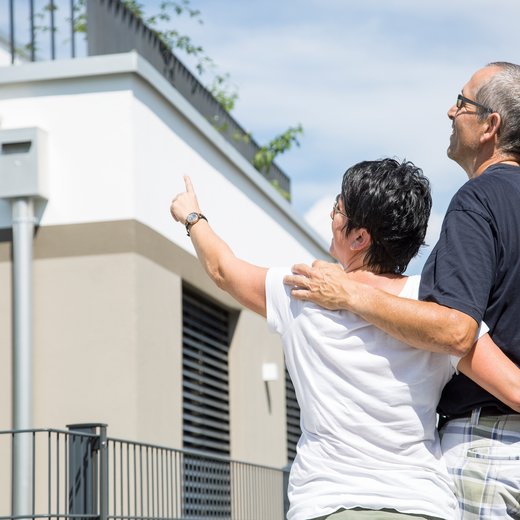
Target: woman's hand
184	203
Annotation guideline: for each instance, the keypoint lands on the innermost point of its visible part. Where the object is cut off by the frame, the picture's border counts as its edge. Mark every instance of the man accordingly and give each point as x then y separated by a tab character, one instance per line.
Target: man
472	275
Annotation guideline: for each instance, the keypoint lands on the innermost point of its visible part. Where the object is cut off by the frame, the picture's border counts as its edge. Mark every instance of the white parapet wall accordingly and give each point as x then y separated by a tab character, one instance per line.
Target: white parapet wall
120	140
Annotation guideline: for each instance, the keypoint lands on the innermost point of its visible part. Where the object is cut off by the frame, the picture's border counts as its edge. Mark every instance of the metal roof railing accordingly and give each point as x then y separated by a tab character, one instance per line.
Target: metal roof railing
80	473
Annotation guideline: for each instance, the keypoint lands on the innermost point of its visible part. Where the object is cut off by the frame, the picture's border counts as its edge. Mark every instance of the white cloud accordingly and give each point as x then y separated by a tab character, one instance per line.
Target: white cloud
318	217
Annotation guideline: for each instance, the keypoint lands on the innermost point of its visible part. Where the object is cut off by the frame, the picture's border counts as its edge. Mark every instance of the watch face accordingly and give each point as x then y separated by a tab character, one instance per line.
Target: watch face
192	218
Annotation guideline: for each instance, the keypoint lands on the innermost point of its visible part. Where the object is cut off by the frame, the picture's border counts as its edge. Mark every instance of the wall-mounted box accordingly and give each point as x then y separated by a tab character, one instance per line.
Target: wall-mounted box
270	372
23	163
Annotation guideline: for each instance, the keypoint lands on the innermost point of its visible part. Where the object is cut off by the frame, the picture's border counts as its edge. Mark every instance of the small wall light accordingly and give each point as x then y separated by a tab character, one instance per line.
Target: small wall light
269	372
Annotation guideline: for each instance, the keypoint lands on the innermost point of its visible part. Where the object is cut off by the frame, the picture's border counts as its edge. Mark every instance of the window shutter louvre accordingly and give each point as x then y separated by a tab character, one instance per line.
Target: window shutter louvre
206	338
292	418
205	375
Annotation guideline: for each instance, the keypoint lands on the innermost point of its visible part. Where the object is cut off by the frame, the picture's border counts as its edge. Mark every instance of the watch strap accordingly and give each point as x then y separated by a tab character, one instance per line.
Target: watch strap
190	224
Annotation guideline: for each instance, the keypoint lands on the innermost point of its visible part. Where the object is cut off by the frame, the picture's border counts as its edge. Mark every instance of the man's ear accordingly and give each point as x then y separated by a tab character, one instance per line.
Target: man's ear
491	128
361	239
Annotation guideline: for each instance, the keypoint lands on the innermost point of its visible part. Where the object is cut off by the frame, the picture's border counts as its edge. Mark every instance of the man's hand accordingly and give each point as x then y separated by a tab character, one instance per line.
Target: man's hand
324	284
184	203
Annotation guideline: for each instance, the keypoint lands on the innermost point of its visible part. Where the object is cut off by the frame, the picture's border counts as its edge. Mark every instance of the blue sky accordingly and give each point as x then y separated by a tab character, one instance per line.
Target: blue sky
365	79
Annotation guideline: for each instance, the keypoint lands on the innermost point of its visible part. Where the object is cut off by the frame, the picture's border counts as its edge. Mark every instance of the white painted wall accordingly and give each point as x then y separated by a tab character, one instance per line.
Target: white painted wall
120	139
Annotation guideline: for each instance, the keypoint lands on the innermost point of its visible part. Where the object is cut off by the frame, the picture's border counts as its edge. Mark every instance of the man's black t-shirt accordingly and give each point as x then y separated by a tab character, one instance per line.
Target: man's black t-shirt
475	268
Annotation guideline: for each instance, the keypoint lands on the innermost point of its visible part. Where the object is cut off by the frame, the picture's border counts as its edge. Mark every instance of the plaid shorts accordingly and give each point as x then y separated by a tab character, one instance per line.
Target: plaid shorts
483	457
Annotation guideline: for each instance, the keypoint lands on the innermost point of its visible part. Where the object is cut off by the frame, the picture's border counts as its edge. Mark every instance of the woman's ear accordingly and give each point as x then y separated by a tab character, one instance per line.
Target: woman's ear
361	239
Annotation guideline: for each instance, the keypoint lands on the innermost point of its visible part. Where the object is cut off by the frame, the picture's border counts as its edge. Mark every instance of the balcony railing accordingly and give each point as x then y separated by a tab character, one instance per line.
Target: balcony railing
34	31
79	473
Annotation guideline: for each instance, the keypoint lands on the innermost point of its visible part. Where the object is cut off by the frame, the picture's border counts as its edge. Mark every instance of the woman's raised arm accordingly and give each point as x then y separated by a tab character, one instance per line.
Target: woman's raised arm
242	280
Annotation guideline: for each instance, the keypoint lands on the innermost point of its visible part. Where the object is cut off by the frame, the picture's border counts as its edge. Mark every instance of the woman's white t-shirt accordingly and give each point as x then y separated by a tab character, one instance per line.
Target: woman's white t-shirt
367	412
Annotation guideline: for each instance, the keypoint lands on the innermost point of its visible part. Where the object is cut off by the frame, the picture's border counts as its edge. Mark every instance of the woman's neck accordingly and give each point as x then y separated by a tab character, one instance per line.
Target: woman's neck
356	263
389	282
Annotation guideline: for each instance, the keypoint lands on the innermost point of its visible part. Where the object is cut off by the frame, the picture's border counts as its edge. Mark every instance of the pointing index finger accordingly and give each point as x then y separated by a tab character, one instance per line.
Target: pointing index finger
188	184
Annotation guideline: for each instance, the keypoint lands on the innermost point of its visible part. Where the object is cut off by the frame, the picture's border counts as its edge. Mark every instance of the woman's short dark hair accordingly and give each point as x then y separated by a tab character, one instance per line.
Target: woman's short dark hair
392	201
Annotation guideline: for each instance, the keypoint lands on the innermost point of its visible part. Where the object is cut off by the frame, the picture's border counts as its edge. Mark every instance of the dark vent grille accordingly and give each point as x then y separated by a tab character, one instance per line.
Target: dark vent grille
293	418
206	338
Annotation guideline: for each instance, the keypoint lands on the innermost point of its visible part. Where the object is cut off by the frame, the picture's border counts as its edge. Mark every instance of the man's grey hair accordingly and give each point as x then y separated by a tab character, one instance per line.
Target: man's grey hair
501	93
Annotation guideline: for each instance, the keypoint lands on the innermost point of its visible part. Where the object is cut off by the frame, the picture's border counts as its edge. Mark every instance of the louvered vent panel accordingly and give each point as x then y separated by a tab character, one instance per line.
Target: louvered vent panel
206	331
292	417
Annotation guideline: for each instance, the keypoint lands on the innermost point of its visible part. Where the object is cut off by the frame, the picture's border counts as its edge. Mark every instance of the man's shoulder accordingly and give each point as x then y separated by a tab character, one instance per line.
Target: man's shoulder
469	197
495	184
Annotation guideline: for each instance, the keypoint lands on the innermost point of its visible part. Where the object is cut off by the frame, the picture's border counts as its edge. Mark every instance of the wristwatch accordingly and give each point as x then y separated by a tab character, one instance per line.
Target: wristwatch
192	219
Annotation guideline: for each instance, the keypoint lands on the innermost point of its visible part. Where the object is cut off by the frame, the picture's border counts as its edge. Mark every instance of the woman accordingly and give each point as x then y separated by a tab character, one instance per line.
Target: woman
369	447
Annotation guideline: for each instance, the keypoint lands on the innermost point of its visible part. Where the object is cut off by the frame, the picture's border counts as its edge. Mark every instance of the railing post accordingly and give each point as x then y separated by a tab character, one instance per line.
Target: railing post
286	471
87	470
103	473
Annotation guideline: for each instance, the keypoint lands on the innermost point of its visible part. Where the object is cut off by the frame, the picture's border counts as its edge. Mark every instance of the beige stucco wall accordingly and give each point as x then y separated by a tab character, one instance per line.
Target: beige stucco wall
258	422
103	316
108	340
159	353
84	341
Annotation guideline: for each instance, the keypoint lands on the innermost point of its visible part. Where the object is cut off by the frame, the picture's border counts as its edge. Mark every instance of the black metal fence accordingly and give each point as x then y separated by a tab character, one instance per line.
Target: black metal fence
81	474
36	30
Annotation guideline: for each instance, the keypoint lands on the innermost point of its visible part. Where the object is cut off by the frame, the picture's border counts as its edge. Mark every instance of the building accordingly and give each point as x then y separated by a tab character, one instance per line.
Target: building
127	328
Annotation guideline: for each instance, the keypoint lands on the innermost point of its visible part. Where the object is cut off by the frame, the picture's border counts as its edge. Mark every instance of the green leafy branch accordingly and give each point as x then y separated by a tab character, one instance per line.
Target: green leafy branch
220	87
280	144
